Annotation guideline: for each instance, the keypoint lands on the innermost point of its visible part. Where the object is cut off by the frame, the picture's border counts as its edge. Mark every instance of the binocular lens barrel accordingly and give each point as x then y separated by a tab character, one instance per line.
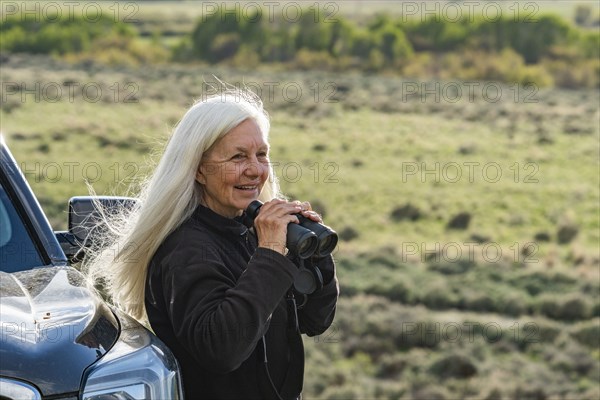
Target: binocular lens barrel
327	237
327	243
301	241
304	239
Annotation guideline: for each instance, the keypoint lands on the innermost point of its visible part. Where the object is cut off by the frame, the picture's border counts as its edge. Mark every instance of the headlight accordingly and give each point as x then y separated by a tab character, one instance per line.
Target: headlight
138	366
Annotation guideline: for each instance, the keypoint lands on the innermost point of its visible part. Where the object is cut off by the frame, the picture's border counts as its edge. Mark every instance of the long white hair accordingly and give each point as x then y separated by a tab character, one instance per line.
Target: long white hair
169	197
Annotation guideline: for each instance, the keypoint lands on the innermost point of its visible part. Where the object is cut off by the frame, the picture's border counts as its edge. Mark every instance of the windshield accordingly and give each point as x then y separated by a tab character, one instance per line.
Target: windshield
17	250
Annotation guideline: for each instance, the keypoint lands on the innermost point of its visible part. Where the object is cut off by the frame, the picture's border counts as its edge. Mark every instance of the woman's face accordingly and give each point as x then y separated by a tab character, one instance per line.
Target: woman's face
234	170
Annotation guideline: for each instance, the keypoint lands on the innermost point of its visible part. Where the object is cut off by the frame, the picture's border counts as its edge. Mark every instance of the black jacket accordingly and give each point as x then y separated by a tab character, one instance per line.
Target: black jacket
211	295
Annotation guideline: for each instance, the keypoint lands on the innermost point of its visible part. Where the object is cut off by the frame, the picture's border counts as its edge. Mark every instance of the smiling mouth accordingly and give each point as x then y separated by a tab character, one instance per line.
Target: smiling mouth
248	188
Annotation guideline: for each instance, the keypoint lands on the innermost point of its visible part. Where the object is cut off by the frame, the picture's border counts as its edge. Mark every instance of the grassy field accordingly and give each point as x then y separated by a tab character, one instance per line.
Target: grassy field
469	219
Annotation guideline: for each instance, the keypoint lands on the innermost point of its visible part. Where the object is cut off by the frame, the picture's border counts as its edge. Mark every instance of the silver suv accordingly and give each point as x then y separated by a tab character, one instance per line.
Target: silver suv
58	338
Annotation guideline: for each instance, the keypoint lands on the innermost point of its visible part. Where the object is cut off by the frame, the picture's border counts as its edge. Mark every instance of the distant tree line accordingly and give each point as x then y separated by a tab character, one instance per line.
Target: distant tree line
220	36
19	34
486	47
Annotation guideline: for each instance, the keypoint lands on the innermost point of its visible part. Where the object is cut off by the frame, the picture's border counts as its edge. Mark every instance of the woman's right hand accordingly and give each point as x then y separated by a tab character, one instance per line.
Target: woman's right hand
272	221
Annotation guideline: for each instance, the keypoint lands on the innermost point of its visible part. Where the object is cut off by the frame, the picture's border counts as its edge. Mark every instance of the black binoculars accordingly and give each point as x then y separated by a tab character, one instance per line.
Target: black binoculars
306	239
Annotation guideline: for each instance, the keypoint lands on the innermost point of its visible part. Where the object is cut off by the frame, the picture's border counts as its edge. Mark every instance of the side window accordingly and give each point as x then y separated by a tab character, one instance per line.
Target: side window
17	250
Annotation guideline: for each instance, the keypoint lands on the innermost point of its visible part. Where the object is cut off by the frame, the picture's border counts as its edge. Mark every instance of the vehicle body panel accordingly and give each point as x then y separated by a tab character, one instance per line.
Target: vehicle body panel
52	327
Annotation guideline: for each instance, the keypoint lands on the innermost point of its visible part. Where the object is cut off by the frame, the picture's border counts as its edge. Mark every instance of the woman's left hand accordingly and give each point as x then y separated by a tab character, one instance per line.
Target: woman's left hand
308	212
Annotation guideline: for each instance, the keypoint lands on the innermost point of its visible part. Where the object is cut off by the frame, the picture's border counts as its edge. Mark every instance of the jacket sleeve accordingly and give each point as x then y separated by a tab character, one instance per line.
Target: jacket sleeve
218	320
317	314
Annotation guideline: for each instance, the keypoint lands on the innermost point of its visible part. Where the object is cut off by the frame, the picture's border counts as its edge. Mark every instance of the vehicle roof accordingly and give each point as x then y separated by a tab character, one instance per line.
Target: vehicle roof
29	208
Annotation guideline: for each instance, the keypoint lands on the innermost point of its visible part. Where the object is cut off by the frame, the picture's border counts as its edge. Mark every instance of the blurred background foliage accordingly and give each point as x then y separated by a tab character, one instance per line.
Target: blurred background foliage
475	286
520	47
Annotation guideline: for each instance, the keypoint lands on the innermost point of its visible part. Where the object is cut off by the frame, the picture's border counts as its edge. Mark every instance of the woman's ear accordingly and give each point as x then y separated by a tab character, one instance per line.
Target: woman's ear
200	178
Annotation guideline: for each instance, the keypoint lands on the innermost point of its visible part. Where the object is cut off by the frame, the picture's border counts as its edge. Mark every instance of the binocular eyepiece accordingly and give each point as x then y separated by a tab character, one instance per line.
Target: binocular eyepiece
305	239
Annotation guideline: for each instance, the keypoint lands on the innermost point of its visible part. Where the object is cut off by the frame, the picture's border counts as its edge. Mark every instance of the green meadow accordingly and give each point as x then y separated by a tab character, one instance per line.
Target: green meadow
467	210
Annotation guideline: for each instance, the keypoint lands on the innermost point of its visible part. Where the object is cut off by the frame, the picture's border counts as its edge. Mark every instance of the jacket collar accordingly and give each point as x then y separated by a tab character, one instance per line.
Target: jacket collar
229	226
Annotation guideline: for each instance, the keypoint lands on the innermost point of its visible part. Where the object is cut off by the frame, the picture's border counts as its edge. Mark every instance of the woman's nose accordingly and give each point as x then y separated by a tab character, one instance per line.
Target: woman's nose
254	168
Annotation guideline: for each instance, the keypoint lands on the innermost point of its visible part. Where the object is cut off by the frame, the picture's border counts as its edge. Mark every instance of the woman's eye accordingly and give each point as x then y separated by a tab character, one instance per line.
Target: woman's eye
238	157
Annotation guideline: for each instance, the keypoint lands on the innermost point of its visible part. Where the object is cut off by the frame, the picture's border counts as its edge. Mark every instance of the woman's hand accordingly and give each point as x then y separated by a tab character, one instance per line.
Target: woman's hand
273	219
308	212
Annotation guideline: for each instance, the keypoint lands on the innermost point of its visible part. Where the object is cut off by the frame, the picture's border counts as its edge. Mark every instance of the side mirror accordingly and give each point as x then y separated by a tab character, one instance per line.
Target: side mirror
85	222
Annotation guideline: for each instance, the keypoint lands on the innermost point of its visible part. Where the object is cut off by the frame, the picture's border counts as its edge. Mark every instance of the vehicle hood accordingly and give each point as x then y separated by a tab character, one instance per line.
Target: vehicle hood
52	327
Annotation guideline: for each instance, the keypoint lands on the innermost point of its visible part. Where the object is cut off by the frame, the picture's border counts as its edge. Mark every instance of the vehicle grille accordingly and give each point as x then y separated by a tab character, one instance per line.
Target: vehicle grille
11	389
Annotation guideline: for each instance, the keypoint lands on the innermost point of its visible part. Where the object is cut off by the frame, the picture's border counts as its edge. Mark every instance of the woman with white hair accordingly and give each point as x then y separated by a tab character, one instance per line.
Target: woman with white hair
216	292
